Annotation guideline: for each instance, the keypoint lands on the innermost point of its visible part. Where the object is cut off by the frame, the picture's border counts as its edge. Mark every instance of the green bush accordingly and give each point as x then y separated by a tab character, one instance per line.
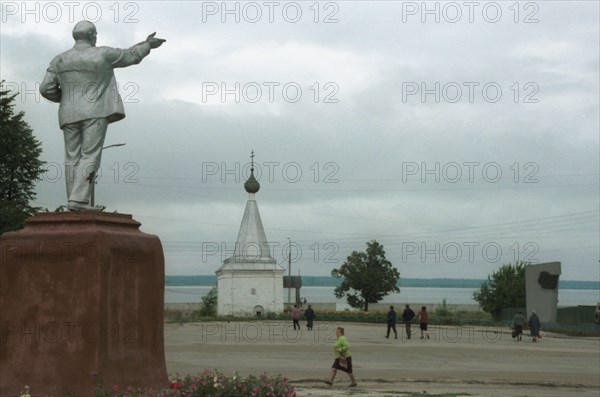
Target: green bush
209	303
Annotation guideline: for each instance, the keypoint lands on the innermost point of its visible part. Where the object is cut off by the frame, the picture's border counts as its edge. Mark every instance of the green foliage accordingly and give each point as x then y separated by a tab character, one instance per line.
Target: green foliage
20	166
581	329
25	392
444	309
209	307
367	277
325	317
460	318
503	288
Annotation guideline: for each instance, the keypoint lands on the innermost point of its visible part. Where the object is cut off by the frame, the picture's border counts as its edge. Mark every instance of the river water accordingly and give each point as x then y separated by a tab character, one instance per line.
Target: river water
453	296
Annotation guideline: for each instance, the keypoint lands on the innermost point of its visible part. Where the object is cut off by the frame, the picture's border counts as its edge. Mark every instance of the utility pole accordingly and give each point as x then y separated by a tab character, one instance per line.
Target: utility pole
92	177
290	272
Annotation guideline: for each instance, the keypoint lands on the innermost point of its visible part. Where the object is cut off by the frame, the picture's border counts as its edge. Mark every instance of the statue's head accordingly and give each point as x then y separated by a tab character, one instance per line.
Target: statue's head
85	31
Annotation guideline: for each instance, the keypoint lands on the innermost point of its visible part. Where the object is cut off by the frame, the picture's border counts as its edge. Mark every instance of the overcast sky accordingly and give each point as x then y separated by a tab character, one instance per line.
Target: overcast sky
459	135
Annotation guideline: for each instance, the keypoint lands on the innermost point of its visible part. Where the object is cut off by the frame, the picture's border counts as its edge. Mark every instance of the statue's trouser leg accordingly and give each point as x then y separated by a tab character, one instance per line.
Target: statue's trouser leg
83	152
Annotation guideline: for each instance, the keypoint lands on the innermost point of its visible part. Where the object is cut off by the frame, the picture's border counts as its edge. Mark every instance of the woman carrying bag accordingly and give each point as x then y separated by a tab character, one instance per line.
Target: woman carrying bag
343	358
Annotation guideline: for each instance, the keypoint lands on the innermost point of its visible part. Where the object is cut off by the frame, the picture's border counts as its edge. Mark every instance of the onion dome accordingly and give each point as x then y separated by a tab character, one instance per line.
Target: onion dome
252	185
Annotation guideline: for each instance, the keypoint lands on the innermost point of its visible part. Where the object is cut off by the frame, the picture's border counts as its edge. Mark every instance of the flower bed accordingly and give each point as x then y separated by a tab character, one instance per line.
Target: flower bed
208	384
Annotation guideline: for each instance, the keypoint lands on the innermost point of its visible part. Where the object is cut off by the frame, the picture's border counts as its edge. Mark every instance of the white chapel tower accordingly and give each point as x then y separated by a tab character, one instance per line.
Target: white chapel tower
250	283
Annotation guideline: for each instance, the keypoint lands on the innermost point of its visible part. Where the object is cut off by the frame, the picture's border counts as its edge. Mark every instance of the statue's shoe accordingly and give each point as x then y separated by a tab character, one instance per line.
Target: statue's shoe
75	206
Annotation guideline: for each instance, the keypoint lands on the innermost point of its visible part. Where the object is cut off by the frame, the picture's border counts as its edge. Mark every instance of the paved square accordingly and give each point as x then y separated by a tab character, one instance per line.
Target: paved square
475	360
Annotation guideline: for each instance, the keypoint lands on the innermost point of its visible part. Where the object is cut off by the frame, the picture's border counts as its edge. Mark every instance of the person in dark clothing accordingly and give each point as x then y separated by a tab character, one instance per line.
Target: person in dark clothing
309	315
534	325
391	323
407	317
518	323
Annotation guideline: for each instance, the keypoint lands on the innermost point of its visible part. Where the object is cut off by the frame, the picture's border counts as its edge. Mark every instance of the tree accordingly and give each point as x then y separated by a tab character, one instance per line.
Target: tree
368	277
209	307
20	166
503	288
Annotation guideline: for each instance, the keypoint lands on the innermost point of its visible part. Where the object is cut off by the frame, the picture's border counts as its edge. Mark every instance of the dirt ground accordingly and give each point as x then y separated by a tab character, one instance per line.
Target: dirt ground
473	361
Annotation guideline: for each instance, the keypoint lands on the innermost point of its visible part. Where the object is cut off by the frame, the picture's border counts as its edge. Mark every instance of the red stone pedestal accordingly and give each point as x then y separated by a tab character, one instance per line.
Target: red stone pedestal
81	299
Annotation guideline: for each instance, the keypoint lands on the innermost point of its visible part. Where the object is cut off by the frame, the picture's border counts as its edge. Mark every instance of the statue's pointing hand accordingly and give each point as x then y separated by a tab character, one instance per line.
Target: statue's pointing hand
154	42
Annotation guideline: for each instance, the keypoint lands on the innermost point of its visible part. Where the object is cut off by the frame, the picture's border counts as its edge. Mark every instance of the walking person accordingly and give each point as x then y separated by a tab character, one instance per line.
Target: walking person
423	320
343	358
534	325
407	317
296	317
309	315
518	323
391	323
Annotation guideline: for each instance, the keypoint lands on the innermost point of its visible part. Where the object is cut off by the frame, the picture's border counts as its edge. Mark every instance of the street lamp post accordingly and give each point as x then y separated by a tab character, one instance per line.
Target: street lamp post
290	271
93	176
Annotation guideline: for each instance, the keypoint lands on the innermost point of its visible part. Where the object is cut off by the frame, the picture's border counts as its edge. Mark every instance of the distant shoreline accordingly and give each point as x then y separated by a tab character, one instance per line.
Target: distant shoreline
325	281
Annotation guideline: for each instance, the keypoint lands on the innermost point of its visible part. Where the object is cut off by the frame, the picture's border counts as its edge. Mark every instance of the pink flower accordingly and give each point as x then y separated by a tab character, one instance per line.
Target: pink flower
116	388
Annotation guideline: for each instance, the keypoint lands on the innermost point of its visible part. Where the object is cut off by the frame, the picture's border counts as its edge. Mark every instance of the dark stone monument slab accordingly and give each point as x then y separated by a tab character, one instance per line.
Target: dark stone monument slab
81	299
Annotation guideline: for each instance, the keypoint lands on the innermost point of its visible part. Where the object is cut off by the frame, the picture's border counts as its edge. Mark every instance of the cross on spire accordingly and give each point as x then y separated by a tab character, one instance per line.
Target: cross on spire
252	161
